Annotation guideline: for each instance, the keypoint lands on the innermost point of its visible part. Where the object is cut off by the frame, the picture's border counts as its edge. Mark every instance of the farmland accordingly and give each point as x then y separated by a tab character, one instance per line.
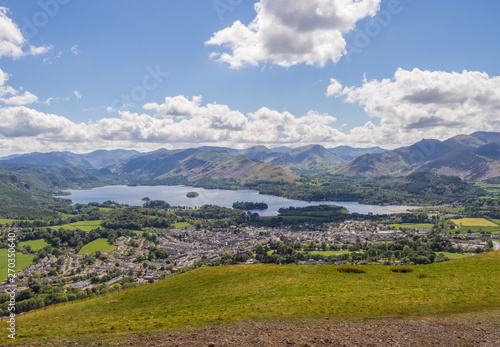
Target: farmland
22	261
412	226
100	245
473	222
35	245
83	225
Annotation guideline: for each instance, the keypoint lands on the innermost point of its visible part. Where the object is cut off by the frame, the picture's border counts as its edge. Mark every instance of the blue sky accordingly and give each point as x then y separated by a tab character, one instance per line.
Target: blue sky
79	76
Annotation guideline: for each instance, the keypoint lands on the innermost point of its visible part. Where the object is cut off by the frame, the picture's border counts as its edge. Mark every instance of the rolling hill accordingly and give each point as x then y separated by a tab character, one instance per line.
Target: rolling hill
472	157
215	295
349	153
201	163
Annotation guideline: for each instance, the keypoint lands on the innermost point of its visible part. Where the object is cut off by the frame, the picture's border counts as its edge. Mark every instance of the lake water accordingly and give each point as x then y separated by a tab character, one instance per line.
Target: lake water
176	196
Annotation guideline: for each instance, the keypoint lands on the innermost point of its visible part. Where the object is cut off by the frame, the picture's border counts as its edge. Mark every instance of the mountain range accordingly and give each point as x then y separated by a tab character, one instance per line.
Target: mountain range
474	157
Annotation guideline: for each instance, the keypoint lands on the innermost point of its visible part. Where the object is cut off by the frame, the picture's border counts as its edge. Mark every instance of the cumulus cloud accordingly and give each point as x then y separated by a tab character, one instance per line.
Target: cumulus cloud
288	33
26	122
12	41
18	100
334	88
77	94
179	122
435	103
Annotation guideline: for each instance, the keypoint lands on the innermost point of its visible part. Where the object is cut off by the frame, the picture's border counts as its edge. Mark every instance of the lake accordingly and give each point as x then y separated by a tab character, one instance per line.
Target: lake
176	196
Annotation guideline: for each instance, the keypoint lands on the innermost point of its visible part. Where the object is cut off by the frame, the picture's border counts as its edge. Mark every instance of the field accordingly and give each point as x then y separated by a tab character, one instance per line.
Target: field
36	245
215	295
453	256
181	224
9	221
101	245
83	225
474	222
22	261
412	226
328	253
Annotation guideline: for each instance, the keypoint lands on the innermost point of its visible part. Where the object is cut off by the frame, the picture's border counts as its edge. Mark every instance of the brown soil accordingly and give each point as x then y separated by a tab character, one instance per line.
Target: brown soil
387	331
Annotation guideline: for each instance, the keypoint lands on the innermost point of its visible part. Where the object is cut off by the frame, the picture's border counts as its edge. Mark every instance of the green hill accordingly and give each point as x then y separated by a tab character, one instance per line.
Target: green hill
249	293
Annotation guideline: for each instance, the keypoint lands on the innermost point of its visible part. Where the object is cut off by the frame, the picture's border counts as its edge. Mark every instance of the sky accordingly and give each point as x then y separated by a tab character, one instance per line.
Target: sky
81	75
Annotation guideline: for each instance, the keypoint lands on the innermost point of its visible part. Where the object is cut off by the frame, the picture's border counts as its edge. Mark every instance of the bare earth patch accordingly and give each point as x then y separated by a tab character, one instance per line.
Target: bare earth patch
388	331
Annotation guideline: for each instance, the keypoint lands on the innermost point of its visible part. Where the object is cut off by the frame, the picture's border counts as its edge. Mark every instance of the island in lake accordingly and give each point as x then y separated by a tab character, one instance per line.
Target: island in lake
250	205
192	195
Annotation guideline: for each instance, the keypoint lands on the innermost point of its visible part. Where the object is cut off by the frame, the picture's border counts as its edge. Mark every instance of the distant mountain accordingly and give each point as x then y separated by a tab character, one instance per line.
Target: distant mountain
471	157
487	137
307	157
301	157
260	153
491	150
49	177
95	160
349	153
198	163
49	159
280	149
463	164
102	158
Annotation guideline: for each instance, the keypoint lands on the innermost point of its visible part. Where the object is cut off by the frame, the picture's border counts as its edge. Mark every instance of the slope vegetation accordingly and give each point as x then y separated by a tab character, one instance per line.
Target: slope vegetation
249	293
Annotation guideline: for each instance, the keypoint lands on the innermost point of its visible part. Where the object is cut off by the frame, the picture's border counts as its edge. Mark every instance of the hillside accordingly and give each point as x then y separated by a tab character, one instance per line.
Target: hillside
214	295
349	153
472	157
50	177
200	163
49	159
466	165
305	157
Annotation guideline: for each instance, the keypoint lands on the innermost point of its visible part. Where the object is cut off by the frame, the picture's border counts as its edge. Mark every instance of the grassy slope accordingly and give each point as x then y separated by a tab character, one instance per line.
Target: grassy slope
22	261
97	245
36	245
82	225
235	293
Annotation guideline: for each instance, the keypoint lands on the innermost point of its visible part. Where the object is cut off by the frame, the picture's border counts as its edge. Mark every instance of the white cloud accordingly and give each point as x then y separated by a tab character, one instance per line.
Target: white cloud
26	122
410	106
77	94
75	50
18	100
288	33
12	41
40	50
334	88
432	103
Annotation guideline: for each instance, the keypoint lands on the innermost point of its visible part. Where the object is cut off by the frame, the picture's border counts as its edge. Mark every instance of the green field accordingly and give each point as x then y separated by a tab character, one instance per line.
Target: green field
22	261
181	224
328	253
497	221
214	295
453	256
9	221
83	225
473	222
475	230
101	245
36	245
412	226
6	221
